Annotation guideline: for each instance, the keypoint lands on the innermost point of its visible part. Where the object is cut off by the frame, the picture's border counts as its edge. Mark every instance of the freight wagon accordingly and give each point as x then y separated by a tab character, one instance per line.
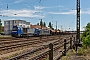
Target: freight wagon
44	32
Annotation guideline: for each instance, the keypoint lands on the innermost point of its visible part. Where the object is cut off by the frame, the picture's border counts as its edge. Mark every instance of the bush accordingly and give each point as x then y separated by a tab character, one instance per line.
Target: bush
86	36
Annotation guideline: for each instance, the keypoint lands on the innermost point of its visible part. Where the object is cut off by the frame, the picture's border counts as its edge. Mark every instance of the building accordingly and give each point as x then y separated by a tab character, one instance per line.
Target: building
8	25
37	26
2	29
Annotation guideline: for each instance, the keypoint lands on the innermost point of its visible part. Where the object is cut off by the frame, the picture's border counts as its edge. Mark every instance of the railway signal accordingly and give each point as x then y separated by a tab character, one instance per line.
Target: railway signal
56	27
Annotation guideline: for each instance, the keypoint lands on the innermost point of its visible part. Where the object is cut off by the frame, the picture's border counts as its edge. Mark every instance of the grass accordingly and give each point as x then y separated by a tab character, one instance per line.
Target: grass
0	53
67	56
21	48
5	36
82	53
47	58
18	53
8	56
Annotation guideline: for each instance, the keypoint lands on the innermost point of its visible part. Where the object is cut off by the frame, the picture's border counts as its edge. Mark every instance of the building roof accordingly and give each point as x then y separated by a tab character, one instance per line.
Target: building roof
53	30
37	26
15	20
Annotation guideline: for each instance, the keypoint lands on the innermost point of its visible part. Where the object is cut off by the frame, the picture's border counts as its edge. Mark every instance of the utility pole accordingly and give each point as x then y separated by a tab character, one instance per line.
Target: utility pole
52	24
41	30
78	24
0	10
41	23
56	27
7	6
0	26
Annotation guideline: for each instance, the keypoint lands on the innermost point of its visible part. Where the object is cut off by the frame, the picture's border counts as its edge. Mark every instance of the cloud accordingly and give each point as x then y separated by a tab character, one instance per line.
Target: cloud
61	6
22	13
42	7
18	1
39	7
71	12
38	13
85	11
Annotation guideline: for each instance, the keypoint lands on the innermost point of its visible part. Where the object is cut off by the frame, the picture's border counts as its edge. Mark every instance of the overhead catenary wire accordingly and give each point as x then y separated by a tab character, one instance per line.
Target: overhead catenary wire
7	6
40	3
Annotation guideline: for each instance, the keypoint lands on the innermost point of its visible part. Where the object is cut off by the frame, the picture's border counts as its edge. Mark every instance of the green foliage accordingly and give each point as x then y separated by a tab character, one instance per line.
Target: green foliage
86	36
41	23
0	26
44	24
81	50
37	23
52	28
50	25
8	57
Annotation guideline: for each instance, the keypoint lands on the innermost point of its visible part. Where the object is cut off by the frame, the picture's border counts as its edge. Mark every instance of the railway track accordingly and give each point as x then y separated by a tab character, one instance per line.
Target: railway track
12	44
19	39
42	51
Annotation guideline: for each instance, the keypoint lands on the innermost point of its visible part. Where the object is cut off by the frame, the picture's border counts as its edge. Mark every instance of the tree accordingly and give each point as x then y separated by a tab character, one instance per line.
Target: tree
86	36
52	28
58	29
0	26
37	23
41	23
44	24
50	25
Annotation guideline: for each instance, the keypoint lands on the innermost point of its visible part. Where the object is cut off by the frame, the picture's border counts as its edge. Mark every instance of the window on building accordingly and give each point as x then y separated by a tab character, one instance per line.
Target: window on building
23	25
15	21
27	26
24	22
6	22
20	22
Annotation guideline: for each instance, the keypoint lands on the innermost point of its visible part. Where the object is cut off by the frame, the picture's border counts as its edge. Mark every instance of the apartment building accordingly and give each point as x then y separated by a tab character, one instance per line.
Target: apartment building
8	25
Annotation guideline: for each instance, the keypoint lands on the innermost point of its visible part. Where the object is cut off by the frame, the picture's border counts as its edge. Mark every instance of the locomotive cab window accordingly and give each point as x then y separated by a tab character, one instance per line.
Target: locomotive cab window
15	28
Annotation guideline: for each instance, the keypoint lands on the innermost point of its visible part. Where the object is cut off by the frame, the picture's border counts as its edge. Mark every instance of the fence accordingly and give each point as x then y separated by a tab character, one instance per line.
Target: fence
67	44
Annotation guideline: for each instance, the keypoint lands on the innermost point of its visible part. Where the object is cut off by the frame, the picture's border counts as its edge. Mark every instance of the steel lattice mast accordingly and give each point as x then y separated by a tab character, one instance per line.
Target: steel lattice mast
78	21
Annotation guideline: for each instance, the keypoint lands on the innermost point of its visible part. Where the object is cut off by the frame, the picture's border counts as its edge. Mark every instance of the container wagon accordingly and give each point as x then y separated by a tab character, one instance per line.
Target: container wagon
44	32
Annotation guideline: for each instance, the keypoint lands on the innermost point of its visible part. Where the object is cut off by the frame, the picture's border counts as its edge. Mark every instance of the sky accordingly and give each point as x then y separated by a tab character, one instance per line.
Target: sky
61	11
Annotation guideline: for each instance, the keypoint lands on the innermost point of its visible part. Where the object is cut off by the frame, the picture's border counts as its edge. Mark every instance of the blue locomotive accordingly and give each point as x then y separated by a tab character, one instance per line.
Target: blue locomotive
18	31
